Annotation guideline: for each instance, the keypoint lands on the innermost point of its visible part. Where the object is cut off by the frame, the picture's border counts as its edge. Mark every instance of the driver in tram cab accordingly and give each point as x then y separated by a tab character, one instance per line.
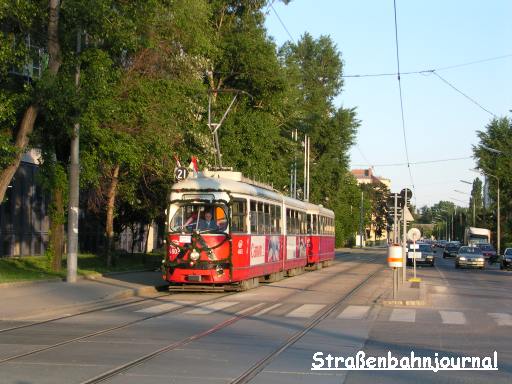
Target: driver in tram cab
208	222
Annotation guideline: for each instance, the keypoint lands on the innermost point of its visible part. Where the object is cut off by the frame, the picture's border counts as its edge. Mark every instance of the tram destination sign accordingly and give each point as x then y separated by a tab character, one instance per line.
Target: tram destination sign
198	196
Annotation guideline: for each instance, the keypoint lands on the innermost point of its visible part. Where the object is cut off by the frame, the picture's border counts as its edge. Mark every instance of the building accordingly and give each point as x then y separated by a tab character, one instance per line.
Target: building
367	176
24	222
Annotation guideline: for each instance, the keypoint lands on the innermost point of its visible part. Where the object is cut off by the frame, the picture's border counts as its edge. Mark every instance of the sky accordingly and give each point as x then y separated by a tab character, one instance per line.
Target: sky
440	123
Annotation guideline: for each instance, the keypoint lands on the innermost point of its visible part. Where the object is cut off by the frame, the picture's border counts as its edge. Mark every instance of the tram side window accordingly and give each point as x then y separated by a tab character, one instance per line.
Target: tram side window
273	219
268	220
315	223
278	219
261	220
254	217
321	223
310	223
238	215
303	222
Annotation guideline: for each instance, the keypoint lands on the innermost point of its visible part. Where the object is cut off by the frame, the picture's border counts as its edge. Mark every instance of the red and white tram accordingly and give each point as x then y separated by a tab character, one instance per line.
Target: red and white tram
227	231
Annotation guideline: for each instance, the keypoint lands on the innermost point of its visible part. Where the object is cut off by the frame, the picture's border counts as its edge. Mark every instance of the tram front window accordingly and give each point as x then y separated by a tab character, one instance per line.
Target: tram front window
201	218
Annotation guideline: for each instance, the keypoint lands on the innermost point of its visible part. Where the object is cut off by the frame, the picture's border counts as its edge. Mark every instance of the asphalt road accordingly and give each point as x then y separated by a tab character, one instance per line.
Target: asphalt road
269	334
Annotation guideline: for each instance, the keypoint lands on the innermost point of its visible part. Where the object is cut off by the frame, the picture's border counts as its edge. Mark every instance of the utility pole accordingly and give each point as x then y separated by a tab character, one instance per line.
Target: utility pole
395	221
74	184
404	239
361	222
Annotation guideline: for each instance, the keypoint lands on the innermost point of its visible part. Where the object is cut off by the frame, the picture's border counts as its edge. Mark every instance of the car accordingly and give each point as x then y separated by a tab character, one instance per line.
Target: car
489	252
451	250
506	259
441	243
471	257
424	255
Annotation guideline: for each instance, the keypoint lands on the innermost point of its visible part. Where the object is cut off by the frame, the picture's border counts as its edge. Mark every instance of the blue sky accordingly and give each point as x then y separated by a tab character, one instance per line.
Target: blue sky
440	123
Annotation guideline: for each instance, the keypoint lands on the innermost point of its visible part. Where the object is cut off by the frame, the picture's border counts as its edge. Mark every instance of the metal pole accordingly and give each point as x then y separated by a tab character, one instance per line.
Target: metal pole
414	258
361	222
74	187
395	221
474	216
395	285
404	239
309	147
498	240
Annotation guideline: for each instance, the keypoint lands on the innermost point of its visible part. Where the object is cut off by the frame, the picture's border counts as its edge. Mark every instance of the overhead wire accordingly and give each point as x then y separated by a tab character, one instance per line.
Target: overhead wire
418	162
281	21
463	94
432	69
401	100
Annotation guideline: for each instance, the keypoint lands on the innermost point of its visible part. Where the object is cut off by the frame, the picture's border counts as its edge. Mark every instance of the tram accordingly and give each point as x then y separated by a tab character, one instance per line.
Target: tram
229	232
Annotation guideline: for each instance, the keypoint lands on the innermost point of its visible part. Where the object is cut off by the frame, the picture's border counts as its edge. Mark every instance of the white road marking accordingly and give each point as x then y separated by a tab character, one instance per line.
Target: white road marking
404	315
503	319
249	309
164	307
306	310
453	317
209	308
354	312
263	311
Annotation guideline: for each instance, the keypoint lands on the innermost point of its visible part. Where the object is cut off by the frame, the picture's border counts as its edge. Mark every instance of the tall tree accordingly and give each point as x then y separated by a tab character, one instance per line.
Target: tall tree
494	157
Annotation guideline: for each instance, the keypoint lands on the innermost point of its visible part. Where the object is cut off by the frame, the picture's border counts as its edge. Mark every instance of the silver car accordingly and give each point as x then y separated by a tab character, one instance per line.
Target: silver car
470	257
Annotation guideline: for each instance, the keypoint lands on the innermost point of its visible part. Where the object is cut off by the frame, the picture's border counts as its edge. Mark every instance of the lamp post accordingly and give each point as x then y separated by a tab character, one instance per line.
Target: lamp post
473	201
498	229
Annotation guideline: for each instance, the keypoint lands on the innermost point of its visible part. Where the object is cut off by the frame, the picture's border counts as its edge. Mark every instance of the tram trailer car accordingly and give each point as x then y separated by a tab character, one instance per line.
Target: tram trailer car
226	231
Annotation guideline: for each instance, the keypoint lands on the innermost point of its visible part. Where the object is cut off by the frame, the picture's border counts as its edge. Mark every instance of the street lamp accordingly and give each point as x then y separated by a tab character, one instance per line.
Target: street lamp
472	200
498	231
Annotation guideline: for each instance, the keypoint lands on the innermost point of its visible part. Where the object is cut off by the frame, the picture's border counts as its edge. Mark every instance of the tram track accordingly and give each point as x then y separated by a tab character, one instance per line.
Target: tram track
244	314
114	306
239	316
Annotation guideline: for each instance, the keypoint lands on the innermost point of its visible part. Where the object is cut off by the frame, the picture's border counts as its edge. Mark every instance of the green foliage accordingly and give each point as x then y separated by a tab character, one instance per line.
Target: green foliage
497	136
145	68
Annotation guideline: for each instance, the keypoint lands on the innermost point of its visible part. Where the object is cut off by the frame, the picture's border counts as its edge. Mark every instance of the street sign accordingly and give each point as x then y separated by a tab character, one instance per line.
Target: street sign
409	193
408	216
413	234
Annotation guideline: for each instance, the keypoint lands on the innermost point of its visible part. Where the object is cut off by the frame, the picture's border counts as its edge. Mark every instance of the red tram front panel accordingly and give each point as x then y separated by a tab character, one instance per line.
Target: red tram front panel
194	258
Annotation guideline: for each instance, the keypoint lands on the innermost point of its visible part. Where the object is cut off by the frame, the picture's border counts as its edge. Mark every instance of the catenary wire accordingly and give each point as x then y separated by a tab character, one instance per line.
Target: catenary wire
418	162
462	93
401	100
281	21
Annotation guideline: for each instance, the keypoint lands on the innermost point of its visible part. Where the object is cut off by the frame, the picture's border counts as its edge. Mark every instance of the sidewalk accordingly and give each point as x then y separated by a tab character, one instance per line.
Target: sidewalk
23	301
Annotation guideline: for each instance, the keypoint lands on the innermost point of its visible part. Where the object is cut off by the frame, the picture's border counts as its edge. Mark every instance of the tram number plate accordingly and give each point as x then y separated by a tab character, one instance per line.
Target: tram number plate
194	277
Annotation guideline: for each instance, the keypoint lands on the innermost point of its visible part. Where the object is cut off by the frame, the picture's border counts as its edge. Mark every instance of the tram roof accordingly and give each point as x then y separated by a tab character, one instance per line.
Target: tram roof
234	182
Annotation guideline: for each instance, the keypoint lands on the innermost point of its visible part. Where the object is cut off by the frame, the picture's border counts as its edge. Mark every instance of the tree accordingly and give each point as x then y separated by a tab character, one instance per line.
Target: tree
494	157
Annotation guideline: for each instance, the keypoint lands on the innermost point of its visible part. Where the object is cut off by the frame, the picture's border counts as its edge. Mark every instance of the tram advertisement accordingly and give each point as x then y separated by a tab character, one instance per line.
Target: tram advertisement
295	247
257	250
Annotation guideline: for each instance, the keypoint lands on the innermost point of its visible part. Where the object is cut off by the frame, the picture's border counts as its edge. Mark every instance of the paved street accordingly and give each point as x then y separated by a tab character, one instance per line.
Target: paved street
269	334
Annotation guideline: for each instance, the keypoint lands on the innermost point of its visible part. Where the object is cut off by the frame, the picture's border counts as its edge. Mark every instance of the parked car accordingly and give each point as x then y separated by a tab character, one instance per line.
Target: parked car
470	257
451	250
424	255
489	252
506	259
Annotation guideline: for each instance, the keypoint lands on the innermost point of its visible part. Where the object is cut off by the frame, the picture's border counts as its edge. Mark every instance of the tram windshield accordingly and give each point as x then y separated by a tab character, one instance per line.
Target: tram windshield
202	218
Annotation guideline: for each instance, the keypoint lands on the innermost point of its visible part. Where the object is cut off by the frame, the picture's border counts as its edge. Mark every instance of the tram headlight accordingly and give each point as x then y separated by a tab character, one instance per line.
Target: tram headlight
194	255
219	270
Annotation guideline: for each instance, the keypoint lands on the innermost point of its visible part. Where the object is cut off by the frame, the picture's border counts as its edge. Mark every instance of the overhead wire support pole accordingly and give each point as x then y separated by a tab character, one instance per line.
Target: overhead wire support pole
74	184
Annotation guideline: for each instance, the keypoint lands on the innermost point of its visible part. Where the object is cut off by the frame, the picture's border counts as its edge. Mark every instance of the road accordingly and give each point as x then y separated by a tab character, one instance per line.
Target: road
270	334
